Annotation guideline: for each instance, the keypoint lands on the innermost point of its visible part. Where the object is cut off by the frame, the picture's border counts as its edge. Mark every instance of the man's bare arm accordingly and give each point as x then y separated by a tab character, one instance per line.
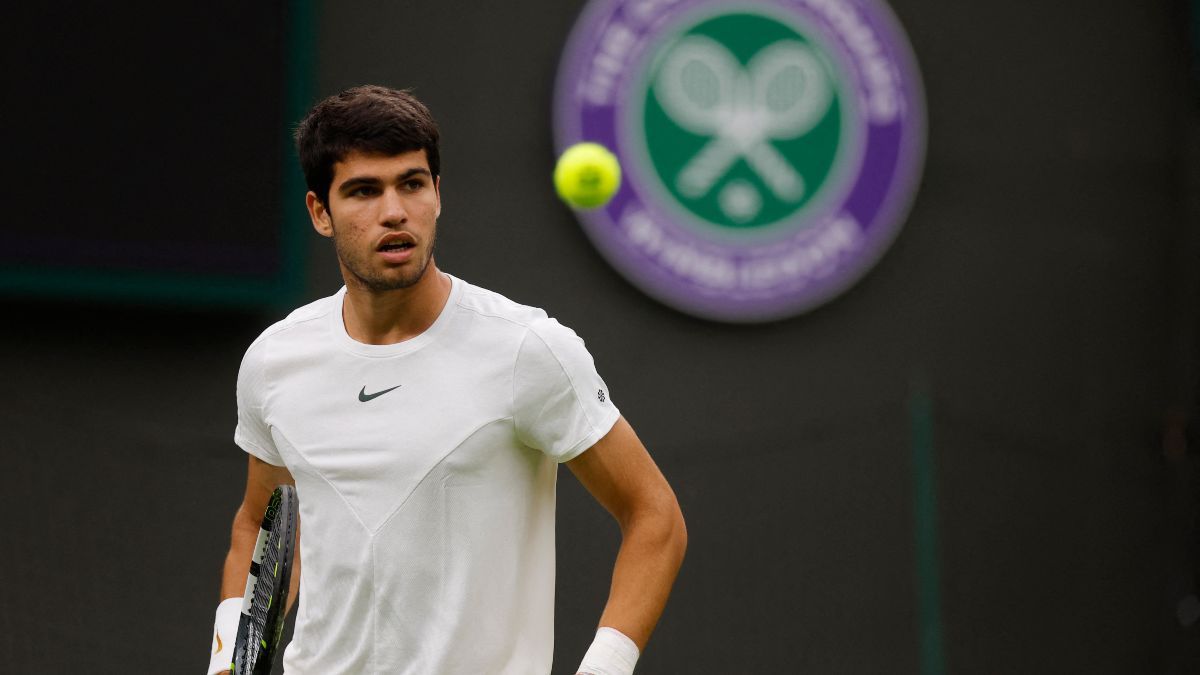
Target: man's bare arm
620	474
261	480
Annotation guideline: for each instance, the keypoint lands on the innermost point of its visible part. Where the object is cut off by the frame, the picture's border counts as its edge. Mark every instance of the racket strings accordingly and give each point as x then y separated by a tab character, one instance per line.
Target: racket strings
270	567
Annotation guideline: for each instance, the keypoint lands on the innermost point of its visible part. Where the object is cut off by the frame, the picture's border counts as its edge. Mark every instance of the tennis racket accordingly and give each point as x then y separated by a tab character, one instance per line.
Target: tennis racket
265	601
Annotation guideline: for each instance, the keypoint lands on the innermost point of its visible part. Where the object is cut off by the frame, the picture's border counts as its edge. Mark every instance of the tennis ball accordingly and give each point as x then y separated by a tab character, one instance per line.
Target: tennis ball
587	175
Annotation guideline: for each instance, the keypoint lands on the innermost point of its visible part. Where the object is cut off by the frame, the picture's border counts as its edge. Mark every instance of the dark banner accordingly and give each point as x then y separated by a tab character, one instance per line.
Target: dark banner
147	150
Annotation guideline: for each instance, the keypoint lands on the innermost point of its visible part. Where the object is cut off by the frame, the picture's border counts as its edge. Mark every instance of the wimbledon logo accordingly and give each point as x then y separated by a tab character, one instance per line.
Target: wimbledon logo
771	148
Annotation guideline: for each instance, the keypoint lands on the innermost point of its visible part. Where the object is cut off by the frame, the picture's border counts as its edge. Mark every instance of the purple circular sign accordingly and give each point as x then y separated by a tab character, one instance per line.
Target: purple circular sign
771	150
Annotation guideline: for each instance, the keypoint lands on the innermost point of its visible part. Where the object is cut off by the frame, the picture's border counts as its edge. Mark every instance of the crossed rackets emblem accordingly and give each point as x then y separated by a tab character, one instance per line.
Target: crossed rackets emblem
782	93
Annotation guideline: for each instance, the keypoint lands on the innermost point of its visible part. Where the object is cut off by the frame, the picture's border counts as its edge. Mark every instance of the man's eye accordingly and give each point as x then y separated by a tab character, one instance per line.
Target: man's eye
362	191
414	185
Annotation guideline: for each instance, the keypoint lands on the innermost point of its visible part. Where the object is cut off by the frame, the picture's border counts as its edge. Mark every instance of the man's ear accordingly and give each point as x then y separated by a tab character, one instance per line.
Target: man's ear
319	215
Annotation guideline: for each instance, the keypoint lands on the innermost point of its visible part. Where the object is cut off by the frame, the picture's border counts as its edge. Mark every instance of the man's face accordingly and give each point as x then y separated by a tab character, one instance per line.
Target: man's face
382	216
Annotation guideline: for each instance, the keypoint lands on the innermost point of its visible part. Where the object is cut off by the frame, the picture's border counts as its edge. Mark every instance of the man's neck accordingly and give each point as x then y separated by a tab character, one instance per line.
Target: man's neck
389	317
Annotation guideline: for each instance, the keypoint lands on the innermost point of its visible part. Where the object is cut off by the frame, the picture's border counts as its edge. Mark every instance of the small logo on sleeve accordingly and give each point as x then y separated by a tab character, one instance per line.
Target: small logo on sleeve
600	395
364	396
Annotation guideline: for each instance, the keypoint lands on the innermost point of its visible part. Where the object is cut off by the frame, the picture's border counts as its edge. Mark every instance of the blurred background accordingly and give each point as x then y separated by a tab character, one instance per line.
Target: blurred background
979	459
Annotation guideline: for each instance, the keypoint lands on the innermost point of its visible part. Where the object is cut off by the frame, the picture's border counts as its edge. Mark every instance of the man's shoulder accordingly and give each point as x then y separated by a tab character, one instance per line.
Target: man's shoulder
492	305
304	317
520	318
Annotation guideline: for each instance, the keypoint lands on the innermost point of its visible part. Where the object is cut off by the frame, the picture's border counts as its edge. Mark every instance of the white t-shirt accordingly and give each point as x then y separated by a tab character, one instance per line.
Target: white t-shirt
426	477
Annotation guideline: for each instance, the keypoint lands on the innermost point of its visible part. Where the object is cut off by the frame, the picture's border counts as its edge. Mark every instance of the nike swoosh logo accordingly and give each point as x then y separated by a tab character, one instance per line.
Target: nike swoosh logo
219	647
364	396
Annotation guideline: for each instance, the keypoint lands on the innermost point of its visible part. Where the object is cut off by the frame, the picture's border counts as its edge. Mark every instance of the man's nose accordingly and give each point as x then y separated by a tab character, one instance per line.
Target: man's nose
393	211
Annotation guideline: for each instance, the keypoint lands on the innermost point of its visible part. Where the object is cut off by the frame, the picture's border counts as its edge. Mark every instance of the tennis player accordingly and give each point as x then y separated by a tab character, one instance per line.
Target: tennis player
422	420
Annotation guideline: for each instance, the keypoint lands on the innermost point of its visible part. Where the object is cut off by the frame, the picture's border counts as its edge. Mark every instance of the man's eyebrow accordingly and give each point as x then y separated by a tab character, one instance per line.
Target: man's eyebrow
415	171
357	181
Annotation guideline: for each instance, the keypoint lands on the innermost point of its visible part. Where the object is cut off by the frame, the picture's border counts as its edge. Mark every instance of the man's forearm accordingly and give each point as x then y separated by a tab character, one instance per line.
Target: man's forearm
652	548
237	561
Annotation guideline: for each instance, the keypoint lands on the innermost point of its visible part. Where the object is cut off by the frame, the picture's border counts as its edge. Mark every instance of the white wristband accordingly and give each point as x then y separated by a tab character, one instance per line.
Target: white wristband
611	653
229	613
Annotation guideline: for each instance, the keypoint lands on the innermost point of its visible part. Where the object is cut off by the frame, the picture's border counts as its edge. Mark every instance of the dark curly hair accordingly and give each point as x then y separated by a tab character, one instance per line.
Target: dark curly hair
369	119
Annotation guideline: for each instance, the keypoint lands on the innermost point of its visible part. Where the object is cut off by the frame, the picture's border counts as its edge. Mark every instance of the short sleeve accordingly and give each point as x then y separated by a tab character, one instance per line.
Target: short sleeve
253	434
562	407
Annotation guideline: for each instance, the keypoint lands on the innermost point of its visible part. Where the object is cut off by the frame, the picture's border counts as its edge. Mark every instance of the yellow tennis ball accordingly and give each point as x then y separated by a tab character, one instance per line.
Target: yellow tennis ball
587	175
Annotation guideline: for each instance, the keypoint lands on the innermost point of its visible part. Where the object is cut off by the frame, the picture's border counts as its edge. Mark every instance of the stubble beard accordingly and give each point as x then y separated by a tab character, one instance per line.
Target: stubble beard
361	272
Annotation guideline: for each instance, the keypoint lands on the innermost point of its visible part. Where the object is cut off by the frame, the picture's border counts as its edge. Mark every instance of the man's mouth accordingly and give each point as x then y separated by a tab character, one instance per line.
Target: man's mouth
395	246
